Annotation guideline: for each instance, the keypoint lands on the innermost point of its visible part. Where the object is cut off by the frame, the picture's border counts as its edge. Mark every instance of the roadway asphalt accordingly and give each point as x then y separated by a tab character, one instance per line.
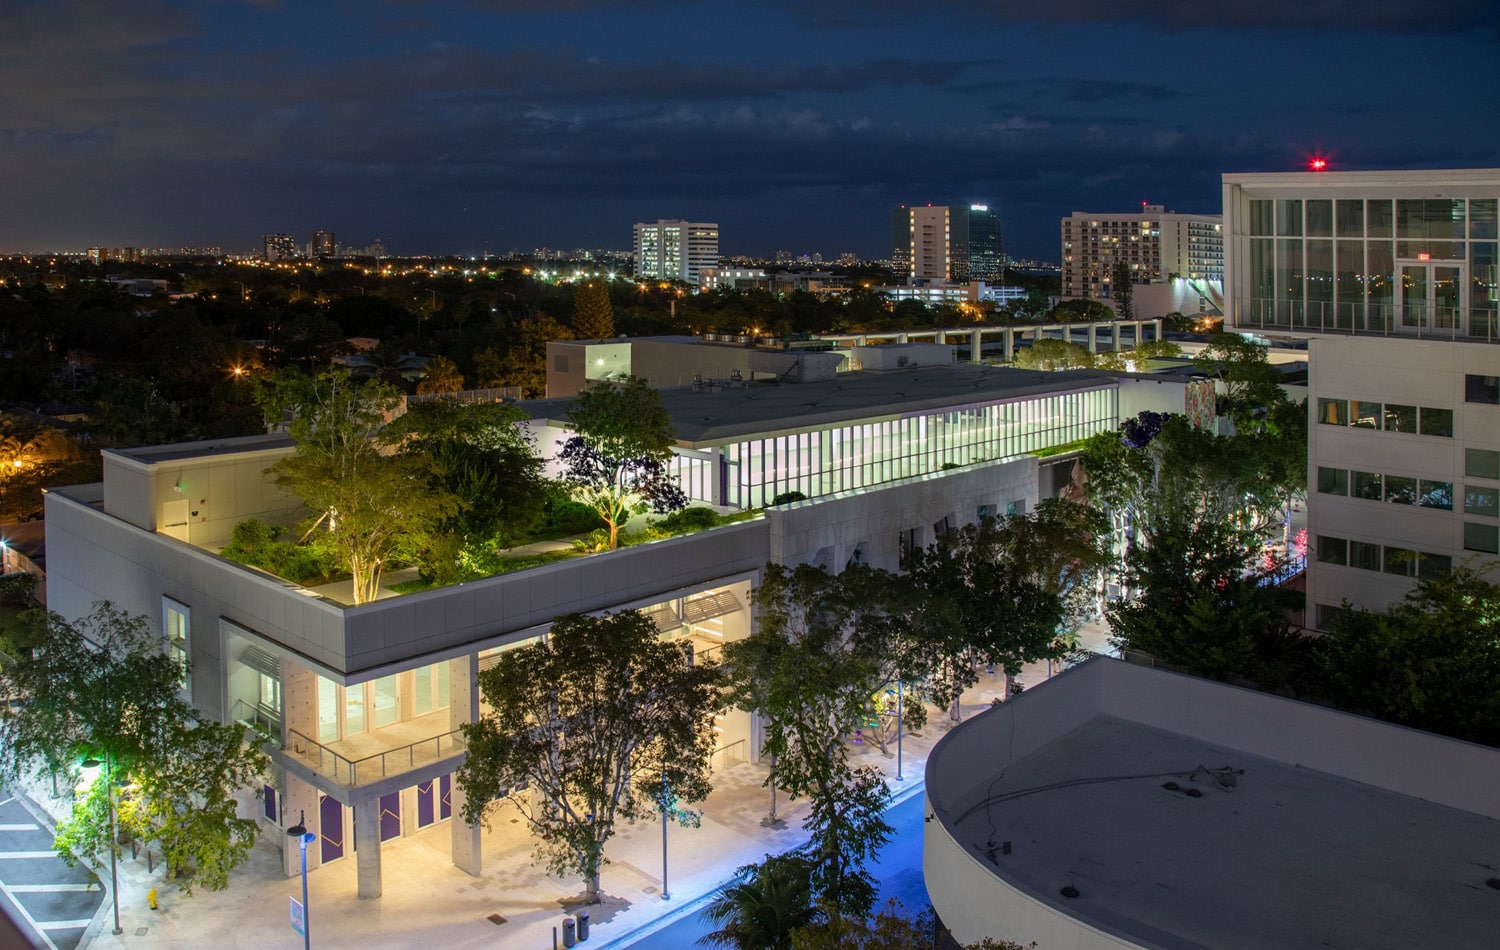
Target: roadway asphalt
47	904
898	871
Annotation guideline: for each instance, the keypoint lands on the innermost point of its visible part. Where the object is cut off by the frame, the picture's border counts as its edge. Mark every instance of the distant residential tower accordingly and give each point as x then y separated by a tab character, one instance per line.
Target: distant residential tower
1156	244
675	250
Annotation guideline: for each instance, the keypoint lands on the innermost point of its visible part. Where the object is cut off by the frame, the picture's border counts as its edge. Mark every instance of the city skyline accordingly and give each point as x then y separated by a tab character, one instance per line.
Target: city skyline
474	127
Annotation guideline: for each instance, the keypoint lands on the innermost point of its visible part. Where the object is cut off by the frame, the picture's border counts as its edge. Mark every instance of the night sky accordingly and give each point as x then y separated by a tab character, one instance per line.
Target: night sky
485	126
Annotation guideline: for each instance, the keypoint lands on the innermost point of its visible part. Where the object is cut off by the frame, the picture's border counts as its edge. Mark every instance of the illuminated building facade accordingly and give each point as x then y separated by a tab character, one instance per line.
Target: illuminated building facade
281	247
675	250
947	243
1154	243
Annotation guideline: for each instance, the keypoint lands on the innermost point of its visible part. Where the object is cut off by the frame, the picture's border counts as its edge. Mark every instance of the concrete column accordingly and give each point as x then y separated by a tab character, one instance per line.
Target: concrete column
1120	337
1093	337
902	338
976	337
367	846
463	707
1157	327
298	799
941	336
299	702
1010	343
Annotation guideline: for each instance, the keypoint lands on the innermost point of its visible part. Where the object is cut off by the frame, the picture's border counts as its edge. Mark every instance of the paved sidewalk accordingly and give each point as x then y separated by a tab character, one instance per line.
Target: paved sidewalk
427	901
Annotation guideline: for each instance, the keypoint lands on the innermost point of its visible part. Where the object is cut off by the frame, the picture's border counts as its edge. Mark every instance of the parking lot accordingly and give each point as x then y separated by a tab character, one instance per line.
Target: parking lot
49	902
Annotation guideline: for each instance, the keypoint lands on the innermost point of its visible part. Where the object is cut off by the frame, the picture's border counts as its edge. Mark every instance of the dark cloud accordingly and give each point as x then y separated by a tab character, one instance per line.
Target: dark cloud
1397	16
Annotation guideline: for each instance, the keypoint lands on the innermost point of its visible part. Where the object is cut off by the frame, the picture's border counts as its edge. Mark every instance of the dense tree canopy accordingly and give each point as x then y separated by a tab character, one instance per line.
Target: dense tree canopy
585	729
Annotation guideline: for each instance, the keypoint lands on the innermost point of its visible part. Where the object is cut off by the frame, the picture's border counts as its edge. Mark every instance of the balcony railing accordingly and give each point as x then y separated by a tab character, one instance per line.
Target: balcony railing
1440	322
377	765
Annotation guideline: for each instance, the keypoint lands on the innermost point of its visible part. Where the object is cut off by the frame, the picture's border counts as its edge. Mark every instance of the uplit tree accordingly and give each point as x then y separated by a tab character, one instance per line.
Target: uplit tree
825	645
593	315
1050	354
585	729
617	461
442	376
377	508
103	688
1122	288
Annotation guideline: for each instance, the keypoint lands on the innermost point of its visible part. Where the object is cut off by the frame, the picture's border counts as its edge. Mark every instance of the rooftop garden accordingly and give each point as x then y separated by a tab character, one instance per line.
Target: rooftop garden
451	492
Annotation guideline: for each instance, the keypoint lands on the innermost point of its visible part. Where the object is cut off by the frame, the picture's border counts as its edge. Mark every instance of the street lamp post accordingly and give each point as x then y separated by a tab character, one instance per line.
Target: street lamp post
109	790
304	838
666	806
899	728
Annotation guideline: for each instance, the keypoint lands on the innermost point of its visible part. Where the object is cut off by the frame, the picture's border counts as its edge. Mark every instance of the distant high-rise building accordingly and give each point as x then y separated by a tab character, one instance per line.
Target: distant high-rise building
1155	244
323	244
675	250
957	243
281	247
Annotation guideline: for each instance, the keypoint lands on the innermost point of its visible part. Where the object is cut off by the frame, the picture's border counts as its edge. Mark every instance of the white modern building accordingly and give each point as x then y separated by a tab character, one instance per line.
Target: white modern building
1118	806
1154	243
942	243
364	703
675	250
1390	280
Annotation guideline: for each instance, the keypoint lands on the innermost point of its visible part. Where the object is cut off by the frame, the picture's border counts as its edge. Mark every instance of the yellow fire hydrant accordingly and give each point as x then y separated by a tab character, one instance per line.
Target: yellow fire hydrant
151	898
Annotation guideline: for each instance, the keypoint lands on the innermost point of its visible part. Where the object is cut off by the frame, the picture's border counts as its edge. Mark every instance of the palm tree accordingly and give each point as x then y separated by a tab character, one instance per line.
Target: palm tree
764	903
442	377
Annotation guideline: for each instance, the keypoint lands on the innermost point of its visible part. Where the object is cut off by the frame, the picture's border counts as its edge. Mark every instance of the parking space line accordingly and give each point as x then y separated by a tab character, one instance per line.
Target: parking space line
47	888
23	855
64	924
29	827
36	928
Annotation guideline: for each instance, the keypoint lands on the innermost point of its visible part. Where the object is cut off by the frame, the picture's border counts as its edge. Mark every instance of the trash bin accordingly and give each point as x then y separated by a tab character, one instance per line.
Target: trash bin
583	926
569	937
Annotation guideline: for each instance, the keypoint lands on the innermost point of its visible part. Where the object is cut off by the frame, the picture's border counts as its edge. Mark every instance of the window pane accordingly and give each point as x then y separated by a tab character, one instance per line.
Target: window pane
1481	463
1378	218
1436	421
1365	556
328	710
1364	414
1289	217
1365	485
1400	418
1401	561
1481	537
1261	214
443	697
1333	481
1484	389
385	701
1482	218
1320	217
1351	217
1333	412
421	692
1400	490
1434	565
1479	500
1333	550
1432	494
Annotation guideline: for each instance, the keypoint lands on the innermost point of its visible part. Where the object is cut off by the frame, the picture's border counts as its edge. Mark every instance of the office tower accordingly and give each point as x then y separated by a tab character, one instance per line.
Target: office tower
675	250
947	243
1156	244
1391	279
323	244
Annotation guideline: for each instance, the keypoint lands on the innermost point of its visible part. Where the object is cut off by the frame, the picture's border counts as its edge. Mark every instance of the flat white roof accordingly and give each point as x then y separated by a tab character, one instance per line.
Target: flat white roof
1406	183
1173	840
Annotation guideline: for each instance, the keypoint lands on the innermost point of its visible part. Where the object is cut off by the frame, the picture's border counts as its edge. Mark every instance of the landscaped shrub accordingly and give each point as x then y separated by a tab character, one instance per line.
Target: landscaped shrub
787	497
261	545
570	517
17	590
689	519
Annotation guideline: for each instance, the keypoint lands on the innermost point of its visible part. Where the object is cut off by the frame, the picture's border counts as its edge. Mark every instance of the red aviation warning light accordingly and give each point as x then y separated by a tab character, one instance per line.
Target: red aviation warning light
1317	164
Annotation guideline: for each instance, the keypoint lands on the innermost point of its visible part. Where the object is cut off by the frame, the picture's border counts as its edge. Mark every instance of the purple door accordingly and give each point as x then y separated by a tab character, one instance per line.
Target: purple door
331	827
426	804
390	816
445	796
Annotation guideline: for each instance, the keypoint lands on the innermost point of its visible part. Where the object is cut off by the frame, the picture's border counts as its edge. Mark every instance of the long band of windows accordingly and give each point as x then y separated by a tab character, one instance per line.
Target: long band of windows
858	456
1387	417
1368	556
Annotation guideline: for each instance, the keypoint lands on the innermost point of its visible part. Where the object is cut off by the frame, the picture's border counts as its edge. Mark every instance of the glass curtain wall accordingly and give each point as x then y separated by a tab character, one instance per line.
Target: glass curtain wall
861	455
1375	265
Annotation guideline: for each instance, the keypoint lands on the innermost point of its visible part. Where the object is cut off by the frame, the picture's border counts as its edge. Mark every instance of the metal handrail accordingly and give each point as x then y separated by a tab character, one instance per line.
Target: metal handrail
346	771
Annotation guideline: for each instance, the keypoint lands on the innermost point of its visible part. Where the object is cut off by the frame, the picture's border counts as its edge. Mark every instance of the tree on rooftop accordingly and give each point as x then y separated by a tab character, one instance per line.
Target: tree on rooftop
584	730
474	453
593	315
376	507
824	647
104	688
1249	385
1050	354
617	461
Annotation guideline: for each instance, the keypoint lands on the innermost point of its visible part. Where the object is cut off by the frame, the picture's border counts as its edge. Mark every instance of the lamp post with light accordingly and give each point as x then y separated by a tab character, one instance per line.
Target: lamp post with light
109	789
304	838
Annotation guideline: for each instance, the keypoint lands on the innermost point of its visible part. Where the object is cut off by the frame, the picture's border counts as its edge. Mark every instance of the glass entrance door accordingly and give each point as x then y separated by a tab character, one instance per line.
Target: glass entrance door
1431	296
